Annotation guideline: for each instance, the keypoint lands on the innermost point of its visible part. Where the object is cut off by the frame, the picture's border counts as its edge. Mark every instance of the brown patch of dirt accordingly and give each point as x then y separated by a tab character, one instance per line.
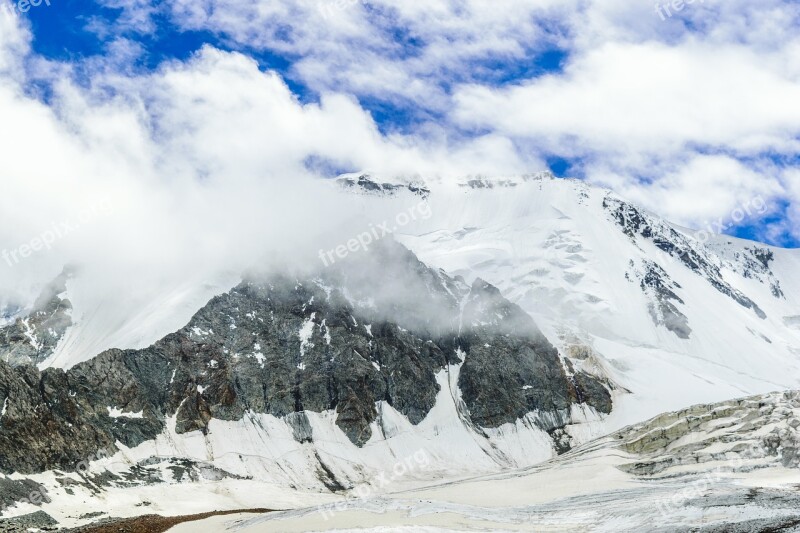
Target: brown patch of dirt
157	523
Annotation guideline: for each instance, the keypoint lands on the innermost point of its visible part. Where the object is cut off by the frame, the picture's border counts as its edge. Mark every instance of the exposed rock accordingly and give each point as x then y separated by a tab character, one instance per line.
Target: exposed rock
635	224
511	369
656	283
377	329
738	433
755	263
368	184
32	338
38	521
13	491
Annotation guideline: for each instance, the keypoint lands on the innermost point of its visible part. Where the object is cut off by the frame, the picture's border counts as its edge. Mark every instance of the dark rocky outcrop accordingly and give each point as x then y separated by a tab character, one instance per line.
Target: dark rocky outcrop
635	223
510	367
367	184
755	264
38	521
377	328
32	338
663	300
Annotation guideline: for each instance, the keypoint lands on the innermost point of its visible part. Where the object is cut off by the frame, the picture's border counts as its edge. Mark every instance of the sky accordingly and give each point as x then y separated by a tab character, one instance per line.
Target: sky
185	118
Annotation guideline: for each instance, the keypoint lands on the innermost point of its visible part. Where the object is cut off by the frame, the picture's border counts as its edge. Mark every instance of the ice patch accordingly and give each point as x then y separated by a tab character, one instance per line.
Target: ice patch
113	412
792	322
305	334
29	333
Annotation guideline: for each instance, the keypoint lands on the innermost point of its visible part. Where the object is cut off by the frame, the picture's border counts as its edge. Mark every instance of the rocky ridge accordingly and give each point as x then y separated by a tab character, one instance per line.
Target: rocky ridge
32	338
638	225
341	340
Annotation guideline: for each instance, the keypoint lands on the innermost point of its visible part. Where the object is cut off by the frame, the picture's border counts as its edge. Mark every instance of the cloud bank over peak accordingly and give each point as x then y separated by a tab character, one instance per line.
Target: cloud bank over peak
200	166
203	123
617	93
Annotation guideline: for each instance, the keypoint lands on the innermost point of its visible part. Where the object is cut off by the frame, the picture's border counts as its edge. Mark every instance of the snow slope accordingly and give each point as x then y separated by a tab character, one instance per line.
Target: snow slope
133	320
554	248
725	467
602	281
259	462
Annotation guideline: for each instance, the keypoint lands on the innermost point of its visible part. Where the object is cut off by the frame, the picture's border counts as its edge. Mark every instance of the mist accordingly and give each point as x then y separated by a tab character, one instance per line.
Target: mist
186	176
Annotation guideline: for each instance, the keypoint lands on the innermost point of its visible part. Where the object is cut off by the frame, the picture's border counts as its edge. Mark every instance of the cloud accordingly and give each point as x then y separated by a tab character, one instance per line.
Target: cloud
643	93
402	52
200	168
690	131
699	191
648	97
206	160
14	44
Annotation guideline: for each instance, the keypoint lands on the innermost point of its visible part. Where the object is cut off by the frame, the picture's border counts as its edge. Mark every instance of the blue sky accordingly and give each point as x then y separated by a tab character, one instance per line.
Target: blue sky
691	116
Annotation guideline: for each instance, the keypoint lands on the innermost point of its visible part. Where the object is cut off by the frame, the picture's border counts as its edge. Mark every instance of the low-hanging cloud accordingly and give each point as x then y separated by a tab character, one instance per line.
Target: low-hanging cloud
201	168
212	165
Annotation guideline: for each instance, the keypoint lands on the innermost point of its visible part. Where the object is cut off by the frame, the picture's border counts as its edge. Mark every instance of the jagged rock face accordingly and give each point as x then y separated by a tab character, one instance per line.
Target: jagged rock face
33	338
288	346
755	263
510	365
367	184
664	301
54	419
284	346
636	224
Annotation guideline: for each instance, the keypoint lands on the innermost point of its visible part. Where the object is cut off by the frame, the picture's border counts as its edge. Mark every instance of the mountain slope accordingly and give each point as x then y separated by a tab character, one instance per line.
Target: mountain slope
32	338
524	316
710	468
305	383
672	319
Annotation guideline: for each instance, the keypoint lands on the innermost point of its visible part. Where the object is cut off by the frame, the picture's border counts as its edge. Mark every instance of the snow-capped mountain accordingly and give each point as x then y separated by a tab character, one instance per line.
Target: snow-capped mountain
506	321
307	383
34	336
672	319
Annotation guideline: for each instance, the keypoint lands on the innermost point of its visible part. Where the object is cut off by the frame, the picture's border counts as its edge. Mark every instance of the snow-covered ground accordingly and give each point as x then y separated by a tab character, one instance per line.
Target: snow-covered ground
552	247
242	465
728	467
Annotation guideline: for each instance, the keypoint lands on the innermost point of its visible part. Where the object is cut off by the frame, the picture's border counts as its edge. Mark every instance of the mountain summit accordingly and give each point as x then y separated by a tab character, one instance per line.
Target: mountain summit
497	324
